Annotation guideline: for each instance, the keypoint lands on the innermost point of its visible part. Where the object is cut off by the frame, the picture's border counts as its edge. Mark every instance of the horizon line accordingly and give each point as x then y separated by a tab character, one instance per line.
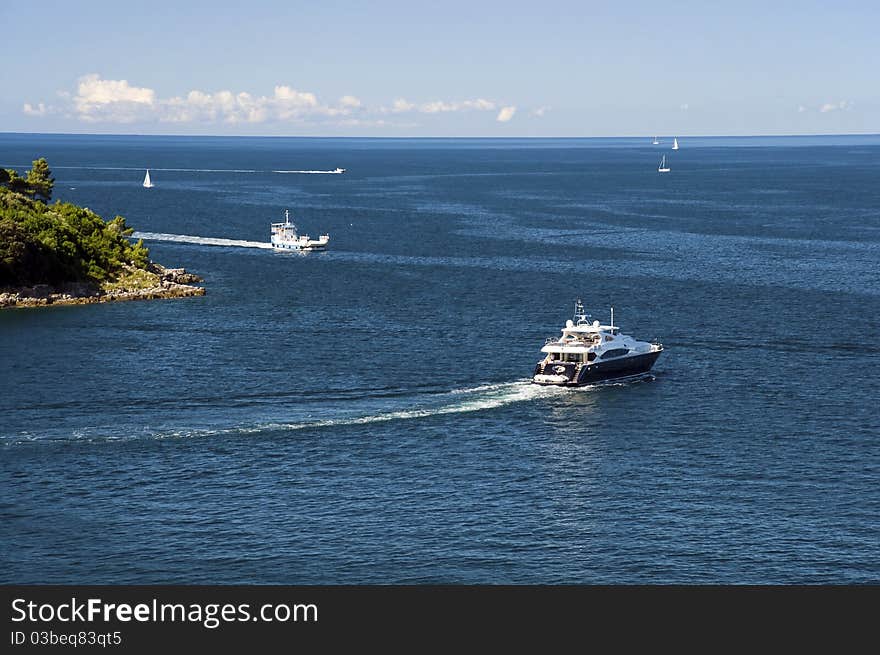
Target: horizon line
494	137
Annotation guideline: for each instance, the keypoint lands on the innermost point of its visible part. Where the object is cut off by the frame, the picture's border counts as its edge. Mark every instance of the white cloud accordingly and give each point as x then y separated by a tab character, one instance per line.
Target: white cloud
479	104
111	100
440	106
505	114
801	109
289	104
358	122
30	110
540	111
839	106
289	96
222	106
92	90
400	105
684	107
437	107
116	101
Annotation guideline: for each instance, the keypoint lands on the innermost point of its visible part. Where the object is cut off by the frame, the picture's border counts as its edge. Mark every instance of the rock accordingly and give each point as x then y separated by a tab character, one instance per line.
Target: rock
188	278
171	283
176	275
36	291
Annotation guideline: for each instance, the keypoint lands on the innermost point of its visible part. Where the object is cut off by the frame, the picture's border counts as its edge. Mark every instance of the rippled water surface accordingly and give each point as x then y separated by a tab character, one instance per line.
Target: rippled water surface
365	415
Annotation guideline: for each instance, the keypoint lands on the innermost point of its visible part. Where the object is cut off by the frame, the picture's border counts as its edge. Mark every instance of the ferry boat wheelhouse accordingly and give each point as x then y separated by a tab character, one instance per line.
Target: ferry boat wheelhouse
589	352
284	237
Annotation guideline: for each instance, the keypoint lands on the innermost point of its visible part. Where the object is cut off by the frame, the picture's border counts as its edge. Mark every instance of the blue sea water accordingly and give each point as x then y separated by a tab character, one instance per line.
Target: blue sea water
364	415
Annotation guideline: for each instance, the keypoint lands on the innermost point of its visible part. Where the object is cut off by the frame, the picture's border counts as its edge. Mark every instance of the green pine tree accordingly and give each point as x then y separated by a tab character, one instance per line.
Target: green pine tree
40	180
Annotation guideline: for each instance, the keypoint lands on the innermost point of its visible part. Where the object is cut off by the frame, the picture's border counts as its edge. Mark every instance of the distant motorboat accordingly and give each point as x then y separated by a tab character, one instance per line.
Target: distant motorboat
655	141
674	143
148	184
338	170
664	167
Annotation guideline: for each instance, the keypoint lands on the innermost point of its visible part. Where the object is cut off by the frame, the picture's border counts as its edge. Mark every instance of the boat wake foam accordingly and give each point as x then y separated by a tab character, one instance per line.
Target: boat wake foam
456	401
310	172
174	170
202	241
368	409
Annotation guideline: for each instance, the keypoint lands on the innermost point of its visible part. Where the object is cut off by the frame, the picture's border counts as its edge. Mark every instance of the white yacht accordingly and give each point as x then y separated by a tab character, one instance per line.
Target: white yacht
588	352
148	184
674	143
338	170
663	167
655	142
284	237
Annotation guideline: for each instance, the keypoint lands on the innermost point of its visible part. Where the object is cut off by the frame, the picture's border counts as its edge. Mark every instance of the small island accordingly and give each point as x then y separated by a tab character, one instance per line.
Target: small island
62	254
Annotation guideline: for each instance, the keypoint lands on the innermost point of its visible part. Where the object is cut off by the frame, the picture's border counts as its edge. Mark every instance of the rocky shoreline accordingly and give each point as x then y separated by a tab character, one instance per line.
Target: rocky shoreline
156	282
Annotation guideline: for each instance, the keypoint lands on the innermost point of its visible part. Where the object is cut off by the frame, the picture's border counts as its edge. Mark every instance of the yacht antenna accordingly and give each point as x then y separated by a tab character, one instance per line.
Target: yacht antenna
612	317
580	317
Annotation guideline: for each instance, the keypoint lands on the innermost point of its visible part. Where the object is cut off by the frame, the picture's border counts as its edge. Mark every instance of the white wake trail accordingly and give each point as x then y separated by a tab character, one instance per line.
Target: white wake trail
170	170
310	172
459	401
202	241
456	401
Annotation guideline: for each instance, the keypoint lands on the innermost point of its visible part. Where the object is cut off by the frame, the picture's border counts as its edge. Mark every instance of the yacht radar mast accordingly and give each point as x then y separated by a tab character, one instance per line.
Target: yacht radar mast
580	317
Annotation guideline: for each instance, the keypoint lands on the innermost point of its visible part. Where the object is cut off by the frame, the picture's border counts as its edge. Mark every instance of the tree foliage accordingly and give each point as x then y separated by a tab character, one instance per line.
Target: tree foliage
60	242
15	183
40	180
37	183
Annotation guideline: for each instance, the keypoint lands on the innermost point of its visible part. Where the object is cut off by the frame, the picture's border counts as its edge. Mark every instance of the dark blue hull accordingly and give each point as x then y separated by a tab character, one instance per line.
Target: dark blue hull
579	375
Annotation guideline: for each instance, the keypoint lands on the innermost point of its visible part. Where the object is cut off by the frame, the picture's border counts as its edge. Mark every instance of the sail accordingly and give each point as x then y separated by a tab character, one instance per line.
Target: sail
147	182
675	144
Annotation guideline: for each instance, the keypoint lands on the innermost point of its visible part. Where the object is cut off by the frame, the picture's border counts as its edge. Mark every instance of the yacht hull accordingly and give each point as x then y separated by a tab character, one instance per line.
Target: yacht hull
567	374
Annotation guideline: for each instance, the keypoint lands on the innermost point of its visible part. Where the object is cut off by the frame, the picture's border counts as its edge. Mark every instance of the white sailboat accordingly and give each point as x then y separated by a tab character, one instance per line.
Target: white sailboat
674	143
664	167
655	141
148	184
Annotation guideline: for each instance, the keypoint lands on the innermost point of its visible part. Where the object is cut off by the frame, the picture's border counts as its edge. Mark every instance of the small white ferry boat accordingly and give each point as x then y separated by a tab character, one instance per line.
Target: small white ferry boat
338	171
588	352
285	237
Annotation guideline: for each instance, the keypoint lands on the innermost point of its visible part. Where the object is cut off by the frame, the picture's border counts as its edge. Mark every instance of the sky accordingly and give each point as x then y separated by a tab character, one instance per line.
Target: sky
446	68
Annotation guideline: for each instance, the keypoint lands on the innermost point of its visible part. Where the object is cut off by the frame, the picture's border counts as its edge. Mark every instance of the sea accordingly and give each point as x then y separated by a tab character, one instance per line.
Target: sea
366	414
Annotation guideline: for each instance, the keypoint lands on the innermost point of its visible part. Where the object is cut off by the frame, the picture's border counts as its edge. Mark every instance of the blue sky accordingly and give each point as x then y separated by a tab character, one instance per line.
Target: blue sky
388	68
